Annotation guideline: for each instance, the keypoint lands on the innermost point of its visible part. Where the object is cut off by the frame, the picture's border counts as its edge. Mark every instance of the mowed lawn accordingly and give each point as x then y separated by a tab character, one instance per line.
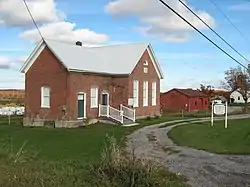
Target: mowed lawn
62	157
84	144
233	140
52	144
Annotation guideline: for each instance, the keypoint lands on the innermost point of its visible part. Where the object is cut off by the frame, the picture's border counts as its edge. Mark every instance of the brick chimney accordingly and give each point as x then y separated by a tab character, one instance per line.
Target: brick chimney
79	43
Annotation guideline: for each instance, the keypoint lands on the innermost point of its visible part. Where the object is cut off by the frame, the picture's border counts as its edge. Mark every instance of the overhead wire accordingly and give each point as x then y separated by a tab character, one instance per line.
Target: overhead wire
228	19
216	45
213	30
27	7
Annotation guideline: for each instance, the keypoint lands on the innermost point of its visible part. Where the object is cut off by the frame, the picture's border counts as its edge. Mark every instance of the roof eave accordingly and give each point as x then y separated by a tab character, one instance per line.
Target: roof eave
101	73
27	61
157	62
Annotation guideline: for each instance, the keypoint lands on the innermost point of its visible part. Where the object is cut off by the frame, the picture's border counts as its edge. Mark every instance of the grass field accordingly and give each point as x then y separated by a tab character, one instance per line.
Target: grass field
61	157
54	144
233	140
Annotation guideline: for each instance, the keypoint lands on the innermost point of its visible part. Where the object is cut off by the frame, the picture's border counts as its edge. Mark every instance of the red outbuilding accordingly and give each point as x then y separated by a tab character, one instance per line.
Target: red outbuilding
184	99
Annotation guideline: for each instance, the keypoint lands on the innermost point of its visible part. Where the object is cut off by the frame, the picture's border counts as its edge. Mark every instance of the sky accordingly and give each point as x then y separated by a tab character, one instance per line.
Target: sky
187	59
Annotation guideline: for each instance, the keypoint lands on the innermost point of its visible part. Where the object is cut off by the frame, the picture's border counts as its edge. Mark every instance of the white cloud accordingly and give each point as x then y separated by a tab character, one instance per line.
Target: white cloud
157	20
4	62
65	31
50	19
14	12
11	62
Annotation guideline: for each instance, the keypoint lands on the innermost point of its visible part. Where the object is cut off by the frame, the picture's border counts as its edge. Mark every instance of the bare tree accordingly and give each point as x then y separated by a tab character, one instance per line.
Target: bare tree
207	89
238	79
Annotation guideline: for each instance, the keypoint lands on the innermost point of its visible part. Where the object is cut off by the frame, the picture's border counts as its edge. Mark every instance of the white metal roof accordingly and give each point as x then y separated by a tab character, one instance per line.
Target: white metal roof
114	59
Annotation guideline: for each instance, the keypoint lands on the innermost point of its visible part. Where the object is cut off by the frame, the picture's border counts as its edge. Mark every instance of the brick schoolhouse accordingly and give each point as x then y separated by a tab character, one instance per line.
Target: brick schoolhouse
71	82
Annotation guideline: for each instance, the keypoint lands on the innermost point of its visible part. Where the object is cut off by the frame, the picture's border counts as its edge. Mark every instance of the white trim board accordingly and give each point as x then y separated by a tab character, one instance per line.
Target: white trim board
33	56
84	105
155	62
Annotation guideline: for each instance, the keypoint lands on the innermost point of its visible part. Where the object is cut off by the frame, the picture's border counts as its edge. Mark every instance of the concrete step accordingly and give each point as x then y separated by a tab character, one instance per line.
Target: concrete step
126	122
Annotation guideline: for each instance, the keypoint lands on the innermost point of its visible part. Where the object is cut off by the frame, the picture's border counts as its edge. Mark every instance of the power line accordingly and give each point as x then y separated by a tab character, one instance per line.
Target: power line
169	7
227	18
33	19
213	30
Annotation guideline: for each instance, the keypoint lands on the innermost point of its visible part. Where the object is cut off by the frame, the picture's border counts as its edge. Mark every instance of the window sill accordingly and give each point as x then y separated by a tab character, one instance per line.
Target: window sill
45	107
94	107
81	118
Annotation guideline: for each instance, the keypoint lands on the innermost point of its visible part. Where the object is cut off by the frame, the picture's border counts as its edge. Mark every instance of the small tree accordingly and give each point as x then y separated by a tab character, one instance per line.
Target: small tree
238	79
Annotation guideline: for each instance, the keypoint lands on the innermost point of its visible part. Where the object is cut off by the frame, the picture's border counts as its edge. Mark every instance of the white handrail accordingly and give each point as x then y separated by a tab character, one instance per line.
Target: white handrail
103	110
128	112
115	114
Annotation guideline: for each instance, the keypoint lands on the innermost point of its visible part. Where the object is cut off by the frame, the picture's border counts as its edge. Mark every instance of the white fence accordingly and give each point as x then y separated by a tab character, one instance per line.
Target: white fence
6	111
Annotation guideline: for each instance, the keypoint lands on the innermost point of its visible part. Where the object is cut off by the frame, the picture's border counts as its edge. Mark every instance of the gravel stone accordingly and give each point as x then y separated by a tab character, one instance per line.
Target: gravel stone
202	169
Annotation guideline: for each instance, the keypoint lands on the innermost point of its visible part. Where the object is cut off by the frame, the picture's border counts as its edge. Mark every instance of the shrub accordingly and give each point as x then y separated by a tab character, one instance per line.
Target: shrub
118	169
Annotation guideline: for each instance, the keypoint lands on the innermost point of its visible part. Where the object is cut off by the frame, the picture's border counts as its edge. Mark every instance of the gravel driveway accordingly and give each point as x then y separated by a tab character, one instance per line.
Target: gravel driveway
201	168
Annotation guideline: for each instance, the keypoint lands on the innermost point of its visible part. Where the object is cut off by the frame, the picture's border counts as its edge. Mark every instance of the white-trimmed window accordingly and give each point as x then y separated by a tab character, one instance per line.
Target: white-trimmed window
145	70
145	93
94	97
153	93
45	97
136	93
145	63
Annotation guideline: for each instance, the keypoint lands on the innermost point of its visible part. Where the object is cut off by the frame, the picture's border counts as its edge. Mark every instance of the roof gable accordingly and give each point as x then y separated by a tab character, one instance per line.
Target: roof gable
188	92
191	92
116	59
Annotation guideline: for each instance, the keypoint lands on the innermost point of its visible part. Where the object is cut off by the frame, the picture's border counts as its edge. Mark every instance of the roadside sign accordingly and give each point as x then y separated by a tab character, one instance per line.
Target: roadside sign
219	109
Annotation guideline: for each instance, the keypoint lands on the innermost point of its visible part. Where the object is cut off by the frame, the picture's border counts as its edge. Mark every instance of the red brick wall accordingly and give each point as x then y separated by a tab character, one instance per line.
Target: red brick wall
151	76
46	71
64	87
78	82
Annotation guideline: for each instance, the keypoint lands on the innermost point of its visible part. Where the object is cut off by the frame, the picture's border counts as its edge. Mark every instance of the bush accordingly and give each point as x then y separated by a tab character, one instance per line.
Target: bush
118	169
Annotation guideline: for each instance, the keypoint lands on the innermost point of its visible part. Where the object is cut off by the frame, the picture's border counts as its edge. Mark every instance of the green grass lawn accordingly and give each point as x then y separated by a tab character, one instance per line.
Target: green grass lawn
233	140
157	120
61	144
58	156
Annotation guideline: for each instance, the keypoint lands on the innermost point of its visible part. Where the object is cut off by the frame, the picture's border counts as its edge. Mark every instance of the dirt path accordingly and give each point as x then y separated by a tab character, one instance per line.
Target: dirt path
201	168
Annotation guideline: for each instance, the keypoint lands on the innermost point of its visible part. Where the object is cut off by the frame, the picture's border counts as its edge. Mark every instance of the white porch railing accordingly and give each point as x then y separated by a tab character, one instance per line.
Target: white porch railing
116	114
111	112
128	112
103	110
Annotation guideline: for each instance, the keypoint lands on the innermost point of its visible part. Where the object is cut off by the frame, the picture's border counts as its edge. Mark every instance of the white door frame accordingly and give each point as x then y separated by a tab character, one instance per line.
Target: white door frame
84	105
106	93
